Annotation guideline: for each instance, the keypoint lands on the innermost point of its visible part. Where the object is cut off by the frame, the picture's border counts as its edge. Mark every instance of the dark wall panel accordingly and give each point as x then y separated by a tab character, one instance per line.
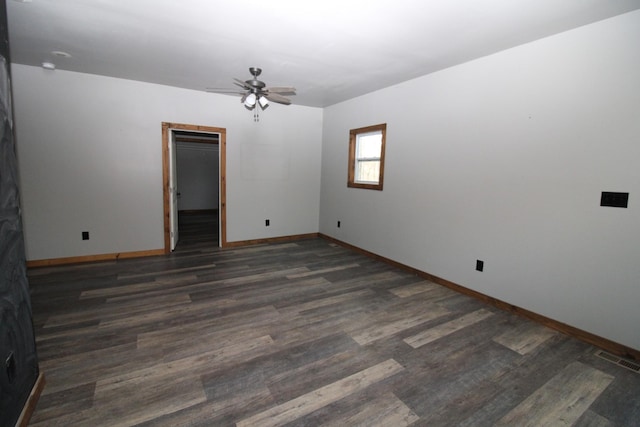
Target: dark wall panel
18	359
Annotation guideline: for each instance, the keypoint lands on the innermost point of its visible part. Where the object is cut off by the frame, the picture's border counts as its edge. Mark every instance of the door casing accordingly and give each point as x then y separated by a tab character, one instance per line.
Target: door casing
167	127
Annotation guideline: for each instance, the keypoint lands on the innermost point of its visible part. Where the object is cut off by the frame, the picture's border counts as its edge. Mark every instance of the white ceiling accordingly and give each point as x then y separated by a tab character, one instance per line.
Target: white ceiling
330	50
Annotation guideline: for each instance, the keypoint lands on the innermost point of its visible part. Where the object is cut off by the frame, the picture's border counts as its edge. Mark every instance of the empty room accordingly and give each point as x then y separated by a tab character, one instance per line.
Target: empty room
267	213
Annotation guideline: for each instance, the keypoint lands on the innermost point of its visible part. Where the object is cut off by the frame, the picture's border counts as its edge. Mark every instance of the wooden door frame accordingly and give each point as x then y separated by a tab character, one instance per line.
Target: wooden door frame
222	153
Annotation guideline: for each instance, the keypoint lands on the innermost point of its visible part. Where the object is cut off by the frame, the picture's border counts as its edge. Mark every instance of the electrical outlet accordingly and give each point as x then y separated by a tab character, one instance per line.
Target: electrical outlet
85	235
479	265
266	222
338	224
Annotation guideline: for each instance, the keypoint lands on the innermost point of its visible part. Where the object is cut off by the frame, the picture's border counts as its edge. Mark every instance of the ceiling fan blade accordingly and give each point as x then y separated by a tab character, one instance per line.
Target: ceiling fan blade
274	97
224	91
281	90
241	83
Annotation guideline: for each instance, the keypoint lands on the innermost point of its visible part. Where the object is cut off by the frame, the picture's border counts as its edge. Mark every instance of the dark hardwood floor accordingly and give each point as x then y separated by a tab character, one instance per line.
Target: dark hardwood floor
300	334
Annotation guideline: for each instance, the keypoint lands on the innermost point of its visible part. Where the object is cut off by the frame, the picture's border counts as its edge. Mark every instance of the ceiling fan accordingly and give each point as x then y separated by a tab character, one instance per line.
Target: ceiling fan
254	93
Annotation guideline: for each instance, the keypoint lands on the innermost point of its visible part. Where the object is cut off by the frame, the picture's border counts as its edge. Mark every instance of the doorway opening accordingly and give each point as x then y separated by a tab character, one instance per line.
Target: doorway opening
174	137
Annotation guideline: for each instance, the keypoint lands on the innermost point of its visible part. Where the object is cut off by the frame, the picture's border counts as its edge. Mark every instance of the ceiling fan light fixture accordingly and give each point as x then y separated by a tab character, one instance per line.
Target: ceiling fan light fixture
264	102
250	100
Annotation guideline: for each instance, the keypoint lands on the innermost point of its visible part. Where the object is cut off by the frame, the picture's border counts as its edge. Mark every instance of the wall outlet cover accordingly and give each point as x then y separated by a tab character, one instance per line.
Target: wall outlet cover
614	200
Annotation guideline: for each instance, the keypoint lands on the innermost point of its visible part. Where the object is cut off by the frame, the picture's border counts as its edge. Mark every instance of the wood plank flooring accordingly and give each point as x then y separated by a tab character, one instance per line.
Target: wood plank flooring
301	333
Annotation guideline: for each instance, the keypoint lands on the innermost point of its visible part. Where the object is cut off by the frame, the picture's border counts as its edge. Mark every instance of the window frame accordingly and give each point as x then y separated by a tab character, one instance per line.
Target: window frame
353	140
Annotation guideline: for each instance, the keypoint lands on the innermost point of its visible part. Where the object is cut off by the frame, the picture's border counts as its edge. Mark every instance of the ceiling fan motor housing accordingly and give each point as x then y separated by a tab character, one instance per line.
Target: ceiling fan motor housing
255	83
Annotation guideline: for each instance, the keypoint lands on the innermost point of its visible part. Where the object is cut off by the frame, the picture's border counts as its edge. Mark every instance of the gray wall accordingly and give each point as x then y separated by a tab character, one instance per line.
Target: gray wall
198	176
90	158
504	159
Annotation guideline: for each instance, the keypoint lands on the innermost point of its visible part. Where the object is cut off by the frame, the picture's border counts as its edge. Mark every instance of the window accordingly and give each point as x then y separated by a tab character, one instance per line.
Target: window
366	156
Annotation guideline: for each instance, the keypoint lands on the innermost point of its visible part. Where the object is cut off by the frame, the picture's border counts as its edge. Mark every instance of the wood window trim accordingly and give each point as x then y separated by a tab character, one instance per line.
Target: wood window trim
353	133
